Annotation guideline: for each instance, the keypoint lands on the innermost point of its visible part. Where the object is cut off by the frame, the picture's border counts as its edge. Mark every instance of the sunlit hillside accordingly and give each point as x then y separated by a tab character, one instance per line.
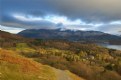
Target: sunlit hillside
16	67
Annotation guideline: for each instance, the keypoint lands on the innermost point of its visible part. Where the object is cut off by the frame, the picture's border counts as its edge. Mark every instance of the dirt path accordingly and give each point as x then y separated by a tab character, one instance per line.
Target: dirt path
62	75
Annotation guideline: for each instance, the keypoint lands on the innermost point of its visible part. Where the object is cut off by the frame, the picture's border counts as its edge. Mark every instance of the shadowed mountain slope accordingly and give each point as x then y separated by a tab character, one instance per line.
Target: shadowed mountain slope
87	36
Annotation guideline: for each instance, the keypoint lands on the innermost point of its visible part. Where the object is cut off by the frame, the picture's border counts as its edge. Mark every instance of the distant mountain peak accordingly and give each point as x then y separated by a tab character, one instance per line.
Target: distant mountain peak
94	36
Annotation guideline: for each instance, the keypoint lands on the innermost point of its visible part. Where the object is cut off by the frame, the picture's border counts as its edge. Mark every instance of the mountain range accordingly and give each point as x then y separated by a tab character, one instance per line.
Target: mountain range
82	36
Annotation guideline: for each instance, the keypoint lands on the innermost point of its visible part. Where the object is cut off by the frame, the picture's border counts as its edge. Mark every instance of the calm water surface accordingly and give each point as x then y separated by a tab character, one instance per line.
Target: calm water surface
118	47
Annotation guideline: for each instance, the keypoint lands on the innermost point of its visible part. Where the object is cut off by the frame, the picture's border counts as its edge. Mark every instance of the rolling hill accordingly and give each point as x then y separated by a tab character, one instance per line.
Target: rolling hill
14	66
8	40
36	59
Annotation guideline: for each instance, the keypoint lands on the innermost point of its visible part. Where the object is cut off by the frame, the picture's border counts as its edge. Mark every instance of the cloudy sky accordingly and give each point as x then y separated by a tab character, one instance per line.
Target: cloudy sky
99	15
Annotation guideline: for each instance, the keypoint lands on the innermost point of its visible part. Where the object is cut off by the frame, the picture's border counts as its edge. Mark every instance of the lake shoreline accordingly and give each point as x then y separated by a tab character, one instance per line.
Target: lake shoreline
110	46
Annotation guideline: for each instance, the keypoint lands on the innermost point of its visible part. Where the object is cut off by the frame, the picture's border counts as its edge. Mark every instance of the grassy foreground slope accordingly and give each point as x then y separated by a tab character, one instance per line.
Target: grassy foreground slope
16	67
89	61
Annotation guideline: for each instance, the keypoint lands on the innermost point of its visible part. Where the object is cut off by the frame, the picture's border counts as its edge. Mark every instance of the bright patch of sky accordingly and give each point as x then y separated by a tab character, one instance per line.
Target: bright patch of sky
54	19
10	29
26	17
116	22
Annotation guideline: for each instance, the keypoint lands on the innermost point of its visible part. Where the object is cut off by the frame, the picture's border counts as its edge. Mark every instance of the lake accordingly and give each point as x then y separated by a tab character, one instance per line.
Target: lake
118	47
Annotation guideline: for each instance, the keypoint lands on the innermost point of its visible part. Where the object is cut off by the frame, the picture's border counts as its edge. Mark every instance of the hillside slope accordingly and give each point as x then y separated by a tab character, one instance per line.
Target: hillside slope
5	35
16	67
8	39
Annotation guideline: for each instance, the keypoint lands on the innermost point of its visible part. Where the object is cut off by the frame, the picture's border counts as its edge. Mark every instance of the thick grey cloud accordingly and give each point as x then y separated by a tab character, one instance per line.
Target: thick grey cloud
88	11
31	25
